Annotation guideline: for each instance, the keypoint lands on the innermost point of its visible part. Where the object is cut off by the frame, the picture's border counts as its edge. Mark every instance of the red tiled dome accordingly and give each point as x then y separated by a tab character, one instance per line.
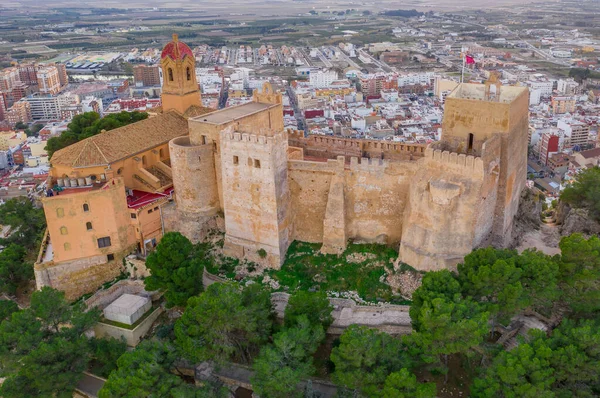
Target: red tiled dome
176	50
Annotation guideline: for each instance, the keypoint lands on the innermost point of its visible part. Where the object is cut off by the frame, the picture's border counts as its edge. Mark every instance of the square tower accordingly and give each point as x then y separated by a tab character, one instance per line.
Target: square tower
256	197
474	113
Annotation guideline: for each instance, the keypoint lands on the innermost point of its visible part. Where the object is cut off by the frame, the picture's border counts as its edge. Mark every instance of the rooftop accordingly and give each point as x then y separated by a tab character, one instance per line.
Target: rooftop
108	147
233	113
477	92
139	199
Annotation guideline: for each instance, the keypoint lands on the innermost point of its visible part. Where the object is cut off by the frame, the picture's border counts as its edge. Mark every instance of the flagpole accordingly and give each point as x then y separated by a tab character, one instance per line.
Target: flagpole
462	74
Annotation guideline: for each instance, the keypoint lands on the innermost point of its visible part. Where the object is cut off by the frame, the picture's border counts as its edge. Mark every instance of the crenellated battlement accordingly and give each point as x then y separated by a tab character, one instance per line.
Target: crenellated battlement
229	134
366	164
457	162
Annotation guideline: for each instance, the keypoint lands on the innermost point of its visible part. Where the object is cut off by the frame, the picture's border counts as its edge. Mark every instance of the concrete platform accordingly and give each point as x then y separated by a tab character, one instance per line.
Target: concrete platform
127	309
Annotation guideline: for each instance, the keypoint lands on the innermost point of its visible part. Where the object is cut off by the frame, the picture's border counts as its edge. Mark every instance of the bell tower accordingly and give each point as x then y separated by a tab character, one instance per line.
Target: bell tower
180	88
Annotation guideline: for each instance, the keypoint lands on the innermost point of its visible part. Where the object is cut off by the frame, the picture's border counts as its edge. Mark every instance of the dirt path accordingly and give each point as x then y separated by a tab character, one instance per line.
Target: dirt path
545	239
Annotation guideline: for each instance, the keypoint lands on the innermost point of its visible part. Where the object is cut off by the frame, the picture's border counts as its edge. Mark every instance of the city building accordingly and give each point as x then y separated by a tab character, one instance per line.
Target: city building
48	80
549	144
562	104
577	133
19	112
322	79
146	75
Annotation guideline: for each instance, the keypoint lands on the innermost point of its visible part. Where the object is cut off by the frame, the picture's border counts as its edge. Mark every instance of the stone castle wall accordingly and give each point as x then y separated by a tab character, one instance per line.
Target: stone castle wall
444	199
325	147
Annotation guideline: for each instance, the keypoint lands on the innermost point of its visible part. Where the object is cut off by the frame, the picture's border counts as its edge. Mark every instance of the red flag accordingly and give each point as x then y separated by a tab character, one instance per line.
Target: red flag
469	60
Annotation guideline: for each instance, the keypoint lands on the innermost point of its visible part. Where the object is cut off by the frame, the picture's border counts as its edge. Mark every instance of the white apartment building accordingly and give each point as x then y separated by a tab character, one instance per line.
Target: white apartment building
545	86
567	86
48	107
322	79
576	133
415	78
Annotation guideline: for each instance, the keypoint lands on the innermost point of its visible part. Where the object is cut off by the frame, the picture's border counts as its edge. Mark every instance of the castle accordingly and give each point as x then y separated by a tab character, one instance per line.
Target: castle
240	170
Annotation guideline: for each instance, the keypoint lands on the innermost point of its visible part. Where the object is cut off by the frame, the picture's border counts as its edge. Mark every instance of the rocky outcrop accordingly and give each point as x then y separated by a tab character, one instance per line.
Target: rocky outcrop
527	218
575	221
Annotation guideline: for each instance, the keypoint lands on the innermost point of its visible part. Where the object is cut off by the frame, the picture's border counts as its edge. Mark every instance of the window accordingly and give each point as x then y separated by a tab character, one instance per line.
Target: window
120	170
67	246
149	211
156	208
161	153
144	160
104	242
133	215
88	226
470	147
63	230
188	73
236	160
60	212
170	74
203	140
86	207
110	257
199	159
257	163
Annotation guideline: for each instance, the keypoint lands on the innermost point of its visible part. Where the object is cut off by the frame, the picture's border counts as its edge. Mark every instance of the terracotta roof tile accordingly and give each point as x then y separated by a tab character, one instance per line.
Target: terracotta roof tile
111	146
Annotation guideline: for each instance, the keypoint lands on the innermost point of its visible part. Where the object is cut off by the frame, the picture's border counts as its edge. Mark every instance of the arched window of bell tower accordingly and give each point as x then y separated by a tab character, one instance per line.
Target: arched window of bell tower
188	73
170	74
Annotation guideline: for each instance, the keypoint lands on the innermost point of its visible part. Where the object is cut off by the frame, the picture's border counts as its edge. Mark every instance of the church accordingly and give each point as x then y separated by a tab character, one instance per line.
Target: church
193	169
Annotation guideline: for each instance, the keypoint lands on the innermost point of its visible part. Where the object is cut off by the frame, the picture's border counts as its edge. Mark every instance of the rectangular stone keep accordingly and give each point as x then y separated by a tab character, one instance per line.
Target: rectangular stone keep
127	309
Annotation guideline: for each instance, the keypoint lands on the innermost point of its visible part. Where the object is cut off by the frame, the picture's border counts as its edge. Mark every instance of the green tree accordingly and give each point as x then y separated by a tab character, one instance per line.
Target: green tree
105	352
20	126
524	372
491	277
280	368
14	271
7	308
403	384
580	273
143	372
43	349
364	359
539	277
584	192
314	305
208	390
576	357
224	324
51	370
438	284
27	223
175	268
449	327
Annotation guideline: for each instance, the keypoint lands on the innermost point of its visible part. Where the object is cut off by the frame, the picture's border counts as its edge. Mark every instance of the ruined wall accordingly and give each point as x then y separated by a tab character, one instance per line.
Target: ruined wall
256	196
376	196
444	199
309	184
